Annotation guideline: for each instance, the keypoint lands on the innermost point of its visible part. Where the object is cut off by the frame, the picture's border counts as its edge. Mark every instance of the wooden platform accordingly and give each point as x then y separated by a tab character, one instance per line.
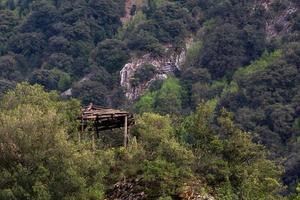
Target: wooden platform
106	119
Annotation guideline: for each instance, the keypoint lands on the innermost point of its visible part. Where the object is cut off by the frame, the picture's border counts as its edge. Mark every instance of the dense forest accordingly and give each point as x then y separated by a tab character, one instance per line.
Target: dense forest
223	124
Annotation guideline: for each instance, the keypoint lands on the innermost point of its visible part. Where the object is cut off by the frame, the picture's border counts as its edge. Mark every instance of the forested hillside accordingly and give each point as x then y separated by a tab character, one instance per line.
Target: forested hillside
214	86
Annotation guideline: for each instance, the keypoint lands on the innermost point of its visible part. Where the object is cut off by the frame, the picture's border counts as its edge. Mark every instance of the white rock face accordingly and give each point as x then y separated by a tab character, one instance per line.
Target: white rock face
164	67
279	19
67	93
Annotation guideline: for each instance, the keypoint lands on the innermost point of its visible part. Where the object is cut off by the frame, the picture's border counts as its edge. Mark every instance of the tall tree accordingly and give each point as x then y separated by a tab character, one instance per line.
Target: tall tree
223	50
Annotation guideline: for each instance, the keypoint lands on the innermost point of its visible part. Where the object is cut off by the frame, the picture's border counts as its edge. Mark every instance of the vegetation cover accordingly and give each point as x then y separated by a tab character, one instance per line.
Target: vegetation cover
226	126
41	157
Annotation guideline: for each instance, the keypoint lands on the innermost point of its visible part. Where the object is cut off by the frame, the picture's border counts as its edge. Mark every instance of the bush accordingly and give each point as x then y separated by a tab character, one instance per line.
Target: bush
51	79
38	161
111	54
257	65
143	74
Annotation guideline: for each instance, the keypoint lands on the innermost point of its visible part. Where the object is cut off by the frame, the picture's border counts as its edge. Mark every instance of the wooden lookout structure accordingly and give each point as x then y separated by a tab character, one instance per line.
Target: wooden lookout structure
102	119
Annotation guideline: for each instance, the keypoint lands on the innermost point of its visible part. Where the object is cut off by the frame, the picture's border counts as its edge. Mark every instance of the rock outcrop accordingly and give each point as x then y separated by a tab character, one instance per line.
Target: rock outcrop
278	24
164	66
132	189
126	190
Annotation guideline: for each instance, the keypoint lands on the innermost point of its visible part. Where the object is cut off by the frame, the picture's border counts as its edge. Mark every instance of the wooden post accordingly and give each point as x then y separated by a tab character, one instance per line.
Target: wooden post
94	129
125	131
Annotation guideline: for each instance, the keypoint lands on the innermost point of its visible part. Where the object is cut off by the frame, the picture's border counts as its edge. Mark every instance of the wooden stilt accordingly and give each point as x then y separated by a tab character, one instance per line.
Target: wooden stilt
98	119
94	129
125	132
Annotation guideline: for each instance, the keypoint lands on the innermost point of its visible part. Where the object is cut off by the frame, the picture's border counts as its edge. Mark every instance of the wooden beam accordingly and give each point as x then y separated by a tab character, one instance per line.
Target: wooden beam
93	136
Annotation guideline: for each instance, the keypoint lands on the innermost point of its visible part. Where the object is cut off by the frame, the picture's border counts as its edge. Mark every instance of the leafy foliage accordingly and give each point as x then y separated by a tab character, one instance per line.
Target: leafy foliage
243	56
168	99
227	55
111	54
60	34
143	74
37	160
43	159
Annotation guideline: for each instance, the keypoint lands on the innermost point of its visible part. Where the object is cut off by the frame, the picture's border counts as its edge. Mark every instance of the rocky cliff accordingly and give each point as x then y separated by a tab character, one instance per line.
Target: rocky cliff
165	66
278	23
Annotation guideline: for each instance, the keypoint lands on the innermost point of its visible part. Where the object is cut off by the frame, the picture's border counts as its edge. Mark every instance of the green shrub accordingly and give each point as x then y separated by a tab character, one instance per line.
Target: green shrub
143	74
258	65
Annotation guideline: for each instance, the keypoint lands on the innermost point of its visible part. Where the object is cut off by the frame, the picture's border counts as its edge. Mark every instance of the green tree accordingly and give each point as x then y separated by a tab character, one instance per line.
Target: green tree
37	161
223	50
228	159
10	68
143	74
251	174
145	103
53	79
112	54
168	163
91	91
168	99
8	21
